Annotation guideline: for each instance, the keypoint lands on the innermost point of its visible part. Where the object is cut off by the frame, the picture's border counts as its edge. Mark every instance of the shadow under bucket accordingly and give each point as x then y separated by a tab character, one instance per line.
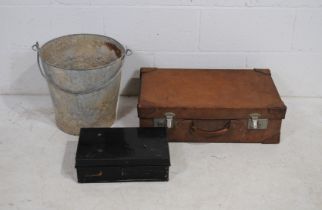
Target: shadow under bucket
83	72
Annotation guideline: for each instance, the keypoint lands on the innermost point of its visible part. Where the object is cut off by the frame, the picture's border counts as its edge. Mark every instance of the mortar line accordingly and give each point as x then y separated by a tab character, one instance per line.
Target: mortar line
199	31
229	52
89	5
293	30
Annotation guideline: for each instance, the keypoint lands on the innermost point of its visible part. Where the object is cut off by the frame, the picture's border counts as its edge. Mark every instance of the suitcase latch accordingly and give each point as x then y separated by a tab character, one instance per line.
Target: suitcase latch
167	121
255	122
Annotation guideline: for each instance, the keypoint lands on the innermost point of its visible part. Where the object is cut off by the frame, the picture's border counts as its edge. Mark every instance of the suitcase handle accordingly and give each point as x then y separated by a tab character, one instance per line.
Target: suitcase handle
194	130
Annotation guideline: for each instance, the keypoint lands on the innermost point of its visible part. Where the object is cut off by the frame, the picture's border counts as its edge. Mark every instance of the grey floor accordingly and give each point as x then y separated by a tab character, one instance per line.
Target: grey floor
37	166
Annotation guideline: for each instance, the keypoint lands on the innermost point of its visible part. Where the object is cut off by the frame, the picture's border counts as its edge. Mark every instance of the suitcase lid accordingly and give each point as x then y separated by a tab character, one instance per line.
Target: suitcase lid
122	147
209	94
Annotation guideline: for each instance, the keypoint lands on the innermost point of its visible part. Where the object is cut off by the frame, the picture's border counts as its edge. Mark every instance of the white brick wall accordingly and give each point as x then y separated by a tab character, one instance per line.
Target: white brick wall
284	35
246	30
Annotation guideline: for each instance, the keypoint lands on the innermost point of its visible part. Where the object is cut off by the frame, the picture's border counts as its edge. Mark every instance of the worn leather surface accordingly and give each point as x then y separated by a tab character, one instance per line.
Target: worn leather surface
237	132
211	105
208	94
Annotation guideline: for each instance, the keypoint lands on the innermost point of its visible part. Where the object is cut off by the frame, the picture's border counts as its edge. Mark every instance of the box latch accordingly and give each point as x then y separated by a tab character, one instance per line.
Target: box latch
166	121
255	122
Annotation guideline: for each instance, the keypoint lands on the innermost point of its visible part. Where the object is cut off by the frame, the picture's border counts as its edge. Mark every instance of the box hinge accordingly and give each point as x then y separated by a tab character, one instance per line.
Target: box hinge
167	121
255	122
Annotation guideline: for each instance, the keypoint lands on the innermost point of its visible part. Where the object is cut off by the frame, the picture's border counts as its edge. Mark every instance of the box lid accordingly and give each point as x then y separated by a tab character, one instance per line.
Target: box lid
209	94
122	147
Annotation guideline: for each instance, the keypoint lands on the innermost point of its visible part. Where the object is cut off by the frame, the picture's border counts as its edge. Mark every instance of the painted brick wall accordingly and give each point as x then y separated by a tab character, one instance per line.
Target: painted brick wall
284	35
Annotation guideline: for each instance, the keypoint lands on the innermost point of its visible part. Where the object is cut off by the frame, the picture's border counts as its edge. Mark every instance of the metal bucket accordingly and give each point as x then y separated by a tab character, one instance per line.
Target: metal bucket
83	75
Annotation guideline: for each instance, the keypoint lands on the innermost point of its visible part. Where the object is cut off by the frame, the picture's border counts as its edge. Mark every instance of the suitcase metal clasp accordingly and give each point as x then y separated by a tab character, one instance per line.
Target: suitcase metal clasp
256	123
167	121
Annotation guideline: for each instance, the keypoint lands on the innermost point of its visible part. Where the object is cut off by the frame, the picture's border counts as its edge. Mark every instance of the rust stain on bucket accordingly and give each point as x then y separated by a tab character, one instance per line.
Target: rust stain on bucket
117	51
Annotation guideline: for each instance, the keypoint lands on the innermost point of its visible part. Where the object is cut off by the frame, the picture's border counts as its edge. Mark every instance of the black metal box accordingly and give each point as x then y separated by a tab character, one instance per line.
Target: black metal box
122	154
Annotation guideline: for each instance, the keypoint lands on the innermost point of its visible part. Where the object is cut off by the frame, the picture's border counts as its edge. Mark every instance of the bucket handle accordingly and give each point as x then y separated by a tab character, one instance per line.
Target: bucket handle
36	48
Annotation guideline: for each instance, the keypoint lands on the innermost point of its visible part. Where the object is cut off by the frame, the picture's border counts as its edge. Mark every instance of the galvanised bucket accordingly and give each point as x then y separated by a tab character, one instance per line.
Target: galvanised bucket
83	72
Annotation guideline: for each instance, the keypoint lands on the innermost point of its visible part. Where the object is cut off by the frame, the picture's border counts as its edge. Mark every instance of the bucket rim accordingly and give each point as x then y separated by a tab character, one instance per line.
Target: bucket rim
123	50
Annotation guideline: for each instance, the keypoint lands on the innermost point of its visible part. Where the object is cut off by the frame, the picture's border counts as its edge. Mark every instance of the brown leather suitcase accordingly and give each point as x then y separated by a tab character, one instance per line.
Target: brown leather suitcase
208	105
